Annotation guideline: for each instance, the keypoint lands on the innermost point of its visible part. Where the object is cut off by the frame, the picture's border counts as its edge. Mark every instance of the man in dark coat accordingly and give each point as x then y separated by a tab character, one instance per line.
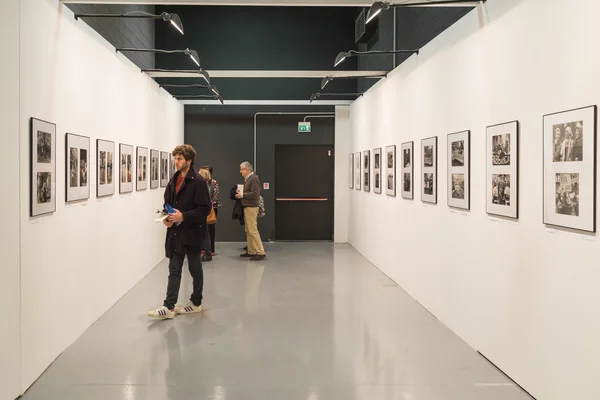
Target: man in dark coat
187	194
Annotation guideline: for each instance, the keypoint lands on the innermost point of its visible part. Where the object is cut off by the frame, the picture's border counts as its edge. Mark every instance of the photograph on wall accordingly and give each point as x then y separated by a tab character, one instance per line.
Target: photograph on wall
164	168
125	168
77	171
570	169
390	170
154	168
407	152
105	158
351	170
377	170
141	182
459	170
429	170
502	169
367	170
173	168
357	164
42	181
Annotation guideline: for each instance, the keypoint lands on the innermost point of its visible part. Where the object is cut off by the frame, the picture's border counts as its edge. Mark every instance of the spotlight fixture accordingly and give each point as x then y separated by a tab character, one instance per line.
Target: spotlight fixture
167	17
315	96
345	54
328	79
213	88
200	71
198	96
380	6
193	54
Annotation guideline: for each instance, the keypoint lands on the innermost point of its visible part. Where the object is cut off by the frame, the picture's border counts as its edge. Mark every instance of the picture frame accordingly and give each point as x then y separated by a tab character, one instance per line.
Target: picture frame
164	168
42	178
105	161
367	170
173	168
126	173
141	181
77	172
377	170
429	150
459	170
351	170
390	170
407	150
569	184
357	164
502	169
154	168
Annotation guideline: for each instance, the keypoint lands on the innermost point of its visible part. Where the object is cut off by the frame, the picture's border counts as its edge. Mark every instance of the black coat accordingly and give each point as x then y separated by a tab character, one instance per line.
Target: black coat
194	203
238	209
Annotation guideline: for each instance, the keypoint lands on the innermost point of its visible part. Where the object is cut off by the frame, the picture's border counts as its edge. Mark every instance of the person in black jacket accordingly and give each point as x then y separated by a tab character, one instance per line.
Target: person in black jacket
187	194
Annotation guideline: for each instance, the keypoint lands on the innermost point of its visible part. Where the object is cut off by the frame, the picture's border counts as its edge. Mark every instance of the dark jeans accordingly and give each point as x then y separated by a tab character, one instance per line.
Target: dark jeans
175	269
211	231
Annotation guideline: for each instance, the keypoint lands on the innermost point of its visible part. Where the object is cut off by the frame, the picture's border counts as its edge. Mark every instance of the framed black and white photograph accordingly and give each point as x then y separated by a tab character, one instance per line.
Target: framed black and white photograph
429	170
407	170
367	170
357	164
390	170
377	170
173	168
570	169
154	168
77	171
141	182
164	168
105	159
459	152
502	171
42	180
351	170
126	168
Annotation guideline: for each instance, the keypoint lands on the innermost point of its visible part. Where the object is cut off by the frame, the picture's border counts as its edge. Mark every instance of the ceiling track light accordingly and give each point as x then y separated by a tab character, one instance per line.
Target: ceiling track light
213	88
328	79
345	54
165	16
315	96
200	71
193	54
380	6
198	96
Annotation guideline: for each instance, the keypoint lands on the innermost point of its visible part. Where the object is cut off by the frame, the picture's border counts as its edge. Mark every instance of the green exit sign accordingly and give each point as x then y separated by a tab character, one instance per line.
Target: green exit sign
304	127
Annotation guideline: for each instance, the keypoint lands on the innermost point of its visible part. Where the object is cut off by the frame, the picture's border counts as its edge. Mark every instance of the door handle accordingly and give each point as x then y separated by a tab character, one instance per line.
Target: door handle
301	199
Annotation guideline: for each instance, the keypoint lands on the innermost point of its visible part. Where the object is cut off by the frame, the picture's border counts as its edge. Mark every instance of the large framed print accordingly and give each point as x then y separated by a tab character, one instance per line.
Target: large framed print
126	168
357	164
77	185
351	170
570	169
407	170
164	168
142	168
377	170
154	166
173	167
429	170
367	170
105	159
390	170
42	179
502	170
459	168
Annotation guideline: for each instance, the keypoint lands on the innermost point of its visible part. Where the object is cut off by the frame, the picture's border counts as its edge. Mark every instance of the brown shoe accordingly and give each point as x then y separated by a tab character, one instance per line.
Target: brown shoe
246	255
258	257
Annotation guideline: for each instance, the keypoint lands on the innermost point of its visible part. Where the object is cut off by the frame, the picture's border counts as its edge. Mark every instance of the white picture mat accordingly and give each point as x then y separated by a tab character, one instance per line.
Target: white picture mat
357	164
78	192
586	170
511	129
351	170
429	198
377	181
108	147
143	183
463	136
408	169
367	170
125	150
49	207
164	166
154	168
390	171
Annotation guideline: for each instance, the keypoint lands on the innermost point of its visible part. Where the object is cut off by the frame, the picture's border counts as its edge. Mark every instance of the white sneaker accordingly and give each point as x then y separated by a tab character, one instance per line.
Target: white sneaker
188	308
162	313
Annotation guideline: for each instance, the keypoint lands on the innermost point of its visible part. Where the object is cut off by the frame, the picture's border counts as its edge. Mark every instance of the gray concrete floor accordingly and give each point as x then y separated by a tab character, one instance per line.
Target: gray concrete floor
315	321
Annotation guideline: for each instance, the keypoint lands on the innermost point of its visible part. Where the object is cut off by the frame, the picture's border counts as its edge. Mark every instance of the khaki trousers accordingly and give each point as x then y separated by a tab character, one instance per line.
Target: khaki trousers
255	246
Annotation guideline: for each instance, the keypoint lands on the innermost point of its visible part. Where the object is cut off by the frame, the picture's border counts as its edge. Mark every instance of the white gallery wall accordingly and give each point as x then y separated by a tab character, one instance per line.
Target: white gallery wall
9	201
78	261
341	196
522	293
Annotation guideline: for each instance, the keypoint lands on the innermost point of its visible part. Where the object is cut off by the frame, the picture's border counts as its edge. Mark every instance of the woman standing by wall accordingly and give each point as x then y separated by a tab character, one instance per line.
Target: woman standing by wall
213	185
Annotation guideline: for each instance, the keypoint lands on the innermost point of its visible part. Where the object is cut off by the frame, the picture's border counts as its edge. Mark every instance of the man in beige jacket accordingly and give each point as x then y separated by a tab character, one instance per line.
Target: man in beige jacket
250	198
